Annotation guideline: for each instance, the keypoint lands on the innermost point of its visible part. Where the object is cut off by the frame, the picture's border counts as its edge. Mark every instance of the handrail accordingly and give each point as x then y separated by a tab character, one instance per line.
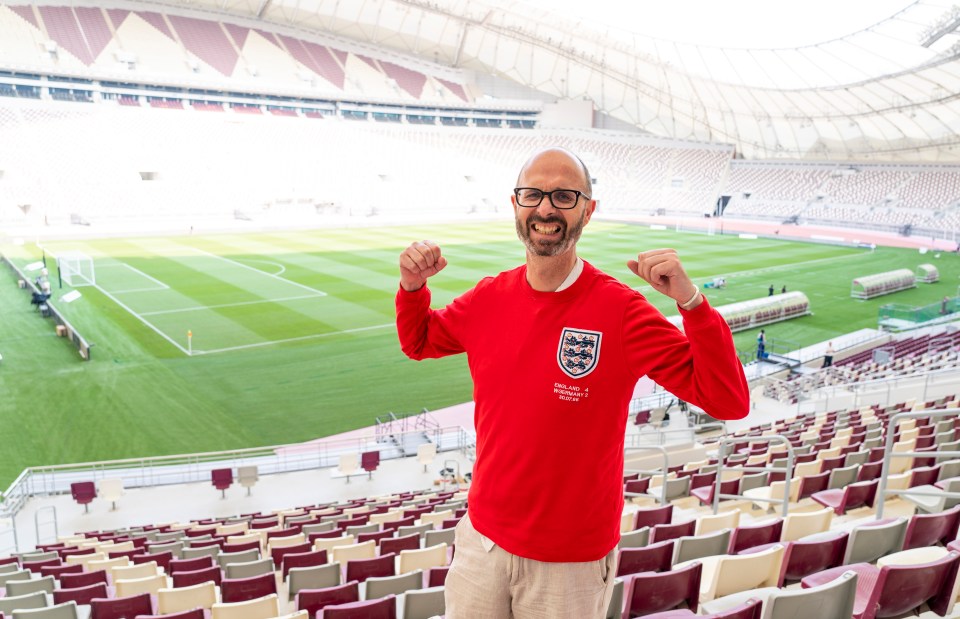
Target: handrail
888	454
181	468
787	478
692	430
664	469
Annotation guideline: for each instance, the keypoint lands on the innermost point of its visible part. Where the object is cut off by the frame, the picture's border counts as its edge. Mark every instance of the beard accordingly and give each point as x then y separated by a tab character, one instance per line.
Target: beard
568	236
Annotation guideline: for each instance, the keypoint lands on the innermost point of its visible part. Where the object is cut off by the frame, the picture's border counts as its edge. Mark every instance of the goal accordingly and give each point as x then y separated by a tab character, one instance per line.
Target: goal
76	269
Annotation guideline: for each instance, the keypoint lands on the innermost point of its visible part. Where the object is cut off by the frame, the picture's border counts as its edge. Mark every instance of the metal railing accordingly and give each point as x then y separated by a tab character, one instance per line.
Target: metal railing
787	471
888	454
188	468
661	436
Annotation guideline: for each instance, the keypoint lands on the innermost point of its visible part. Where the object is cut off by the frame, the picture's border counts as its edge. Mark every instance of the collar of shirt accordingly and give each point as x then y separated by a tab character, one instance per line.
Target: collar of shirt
572	277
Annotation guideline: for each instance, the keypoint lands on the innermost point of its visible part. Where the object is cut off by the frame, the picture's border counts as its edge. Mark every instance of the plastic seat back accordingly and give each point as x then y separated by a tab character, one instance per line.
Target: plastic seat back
688	548
833	600
80	595
653	558
313	600
384	608
648	593
903	588
244	589
868	542
744	537
813	554
66	610
932	529
122	607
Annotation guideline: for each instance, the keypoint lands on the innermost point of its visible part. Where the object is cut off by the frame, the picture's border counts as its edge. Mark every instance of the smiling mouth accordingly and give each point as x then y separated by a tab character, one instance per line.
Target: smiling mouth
545	228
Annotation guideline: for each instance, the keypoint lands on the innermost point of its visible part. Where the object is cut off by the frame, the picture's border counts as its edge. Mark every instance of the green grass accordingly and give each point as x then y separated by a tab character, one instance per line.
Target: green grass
303	322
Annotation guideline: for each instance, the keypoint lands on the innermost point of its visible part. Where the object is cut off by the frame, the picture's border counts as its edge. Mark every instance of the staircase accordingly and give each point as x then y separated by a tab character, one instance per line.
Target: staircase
407	432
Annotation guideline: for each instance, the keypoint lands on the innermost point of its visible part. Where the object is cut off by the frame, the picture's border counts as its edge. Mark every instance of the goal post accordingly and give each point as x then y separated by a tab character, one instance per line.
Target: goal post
76	269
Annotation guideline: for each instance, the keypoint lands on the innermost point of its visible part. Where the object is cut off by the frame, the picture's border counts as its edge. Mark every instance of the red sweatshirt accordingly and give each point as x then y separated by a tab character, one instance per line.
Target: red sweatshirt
553	375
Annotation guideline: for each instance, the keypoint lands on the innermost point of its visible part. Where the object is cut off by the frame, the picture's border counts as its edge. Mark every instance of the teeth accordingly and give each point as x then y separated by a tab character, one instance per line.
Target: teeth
542	229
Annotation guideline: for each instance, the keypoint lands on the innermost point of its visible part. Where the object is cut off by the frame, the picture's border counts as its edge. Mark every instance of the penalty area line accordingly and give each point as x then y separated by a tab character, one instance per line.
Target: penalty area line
293	339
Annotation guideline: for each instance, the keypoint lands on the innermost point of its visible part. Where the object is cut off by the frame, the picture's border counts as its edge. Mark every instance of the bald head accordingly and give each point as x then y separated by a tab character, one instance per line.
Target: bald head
551	157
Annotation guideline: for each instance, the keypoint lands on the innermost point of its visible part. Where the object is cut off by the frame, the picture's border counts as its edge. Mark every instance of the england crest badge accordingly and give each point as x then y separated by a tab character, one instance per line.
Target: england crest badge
578	352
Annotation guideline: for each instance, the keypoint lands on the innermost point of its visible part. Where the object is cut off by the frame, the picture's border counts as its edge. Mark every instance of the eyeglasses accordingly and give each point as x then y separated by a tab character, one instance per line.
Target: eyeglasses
563	199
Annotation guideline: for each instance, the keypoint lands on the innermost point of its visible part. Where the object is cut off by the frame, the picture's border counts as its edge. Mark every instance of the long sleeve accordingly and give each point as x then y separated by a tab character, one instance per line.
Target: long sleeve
699	365
427	333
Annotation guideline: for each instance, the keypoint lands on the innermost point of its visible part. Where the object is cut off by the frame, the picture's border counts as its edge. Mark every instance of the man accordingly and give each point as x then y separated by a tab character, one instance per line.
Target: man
540	536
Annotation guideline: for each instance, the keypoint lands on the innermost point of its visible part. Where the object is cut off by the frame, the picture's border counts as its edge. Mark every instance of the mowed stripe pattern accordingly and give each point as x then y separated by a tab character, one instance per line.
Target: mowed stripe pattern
295	364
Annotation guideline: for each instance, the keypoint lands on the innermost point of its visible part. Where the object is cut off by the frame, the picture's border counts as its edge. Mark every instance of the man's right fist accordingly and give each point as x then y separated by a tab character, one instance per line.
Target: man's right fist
418	262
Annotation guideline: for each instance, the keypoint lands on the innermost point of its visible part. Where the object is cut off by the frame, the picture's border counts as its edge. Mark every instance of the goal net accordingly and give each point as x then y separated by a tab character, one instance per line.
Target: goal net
76	269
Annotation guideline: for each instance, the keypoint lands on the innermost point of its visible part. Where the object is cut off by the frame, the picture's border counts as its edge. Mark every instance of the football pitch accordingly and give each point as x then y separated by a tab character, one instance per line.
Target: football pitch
225	341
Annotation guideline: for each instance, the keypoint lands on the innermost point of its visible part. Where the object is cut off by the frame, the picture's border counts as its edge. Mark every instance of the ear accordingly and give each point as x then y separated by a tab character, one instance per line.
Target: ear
513	201
591	207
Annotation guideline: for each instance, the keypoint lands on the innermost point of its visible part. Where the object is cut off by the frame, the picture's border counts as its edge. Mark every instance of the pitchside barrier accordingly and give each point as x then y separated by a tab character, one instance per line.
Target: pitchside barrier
900	317
83	346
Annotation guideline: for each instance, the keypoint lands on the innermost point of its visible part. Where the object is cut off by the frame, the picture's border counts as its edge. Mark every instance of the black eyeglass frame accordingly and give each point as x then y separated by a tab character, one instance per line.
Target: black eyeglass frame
544	194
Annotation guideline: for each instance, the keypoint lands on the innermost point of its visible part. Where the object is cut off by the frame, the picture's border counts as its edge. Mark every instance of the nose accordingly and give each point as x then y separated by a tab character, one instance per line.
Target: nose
546	207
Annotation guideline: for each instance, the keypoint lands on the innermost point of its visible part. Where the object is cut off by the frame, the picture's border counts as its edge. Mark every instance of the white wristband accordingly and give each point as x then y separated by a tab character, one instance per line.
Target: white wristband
693	299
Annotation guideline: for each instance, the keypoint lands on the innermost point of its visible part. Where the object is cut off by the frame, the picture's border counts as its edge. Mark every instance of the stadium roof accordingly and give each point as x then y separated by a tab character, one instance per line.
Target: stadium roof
880	80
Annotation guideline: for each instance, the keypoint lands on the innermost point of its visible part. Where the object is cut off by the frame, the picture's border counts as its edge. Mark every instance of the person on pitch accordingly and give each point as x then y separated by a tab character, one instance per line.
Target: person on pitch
540	536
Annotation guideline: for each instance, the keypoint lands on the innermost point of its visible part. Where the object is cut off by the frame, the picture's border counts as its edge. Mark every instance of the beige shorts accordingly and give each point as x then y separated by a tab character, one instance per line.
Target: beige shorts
487	582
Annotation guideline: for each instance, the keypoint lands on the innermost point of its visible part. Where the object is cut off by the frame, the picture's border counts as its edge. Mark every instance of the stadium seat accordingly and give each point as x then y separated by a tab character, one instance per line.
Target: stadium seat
309	558
932	529
9	603
189	565
249	569
243	589
261	608
111	489
832	600
221	480
361	569
652	592
180	599
423	559
813	554
247	476
424	603
65	610
426	454
854	495
653	558
316	599
195	577
122	607
314	577
726	574
801	524
382	586
744	537
688	548
369	462
893	590
750	609
348	464
83	492
939	501
383	608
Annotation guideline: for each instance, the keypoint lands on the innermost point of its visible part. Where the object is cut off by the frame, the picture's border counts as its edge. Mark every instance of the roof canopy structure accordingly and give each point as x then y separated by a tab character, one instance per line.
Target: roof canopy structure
890	91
